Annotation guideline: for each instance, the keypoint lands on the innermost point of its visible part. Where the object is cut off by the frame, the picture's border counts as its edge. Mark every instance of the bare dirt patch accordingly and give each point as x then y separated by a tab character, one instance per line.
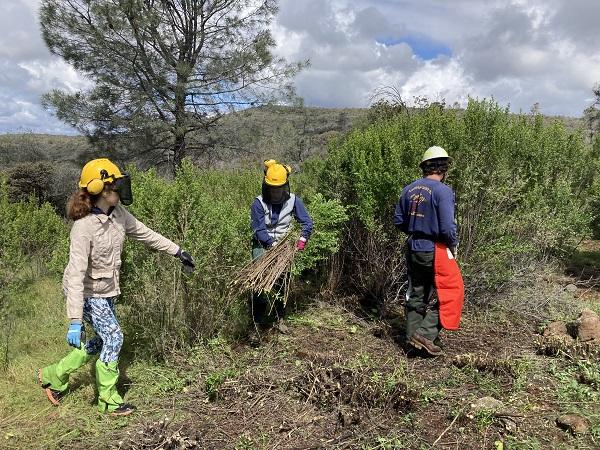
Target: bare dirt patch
337	381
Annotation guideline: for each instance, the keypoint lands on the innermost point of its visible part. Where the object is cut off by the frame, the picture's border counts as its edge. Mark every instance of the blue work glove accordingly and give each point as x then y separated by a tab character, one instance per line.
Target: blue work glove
186	260
74	333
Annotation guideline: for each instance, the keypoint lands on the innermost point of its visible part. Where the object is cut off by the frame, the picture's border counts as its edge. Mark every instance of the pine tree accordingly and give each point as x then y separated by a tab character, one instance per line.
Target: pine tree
163	71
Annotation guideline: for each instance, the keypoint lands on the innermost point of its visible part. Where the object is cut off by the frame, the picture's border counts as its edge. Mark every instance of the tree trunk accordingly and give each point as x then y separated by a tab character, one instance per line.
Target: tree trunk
179	147
178	150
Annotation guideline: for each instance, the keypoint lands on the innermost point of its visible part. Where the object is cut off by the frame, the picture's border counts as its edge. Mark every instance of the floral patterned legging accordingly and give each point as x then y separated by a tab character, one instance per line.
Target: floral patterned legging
100	314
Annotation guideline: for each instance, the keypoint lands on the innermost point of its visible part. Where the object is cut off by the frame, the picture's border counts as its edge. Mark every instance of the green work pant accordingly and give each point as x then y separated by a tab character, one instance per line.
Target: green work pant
107	374
422	307
56	376
264	307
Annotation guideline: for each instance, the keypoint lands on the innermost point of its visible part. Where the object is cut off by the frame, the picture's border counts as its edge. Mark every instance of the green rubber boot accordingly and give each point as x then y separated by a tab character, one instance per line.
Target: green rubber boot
107	375
56	376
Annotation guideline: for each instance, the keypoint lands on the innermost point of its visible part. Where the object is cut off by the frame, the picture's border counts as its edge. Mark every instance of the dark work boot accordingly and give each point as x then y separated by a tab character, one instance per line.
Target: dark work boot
421	342
124	409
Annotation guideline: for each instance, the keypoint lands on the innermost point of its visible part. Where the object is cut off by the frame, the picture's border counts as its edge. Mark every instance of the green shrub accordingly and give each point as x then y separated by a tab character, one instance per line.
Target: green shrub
328	217
28	230
206	212
42	181
31	238
523	189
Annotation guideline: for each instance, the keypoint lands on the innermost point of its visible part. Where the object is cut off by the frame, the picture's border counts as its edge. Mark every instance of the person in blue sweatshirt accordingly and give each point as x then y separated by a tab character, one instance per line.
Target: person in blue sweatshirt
425	212
271	216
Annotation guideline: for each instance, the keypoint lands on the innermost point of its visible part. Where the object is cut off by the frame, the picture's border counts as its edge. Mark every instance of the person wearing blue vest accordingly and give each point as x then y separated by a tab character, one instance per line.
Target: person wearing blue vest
271	216
425	212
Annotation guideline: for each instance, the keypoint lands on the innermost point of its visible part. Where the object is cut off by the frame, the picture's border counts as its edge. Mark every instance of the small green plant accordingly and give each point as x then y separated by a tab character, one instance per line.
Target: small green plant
516	443
397	376
376	377
572	387
522	369
245	443
361	361
483	419
589	373
162	379
408	418
214	381
431	395
386	443
304	320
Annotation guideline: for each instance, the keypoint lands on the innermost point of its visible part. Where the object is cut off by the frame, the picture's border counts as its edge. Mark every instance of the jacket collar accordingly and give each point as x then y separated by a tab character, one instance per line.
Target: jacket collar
101	215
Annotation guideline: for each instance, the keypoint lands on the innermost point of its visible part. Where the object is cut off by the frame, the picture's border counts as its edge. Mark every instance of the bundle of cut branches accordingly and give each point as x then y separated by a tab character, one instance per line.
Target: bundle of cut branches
269	272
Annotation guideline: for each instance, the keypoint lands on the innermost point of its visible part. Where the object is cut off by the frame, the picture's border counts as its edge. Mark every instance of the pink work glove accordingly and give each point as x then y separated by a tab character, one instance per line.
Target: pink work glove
301	243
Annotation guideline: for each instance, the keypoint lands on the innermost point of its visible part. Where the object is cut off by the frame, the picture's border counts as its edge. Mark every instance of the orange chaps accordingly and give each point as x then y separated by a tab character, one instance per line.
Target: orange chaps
449	286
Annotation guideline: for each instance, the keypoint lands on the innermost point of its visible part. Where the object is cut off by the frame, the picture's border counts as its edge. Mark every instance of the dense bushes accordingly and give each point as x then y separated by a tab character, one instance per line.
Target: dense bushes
207	213
32	240
28	230
42	181
523	192
522	188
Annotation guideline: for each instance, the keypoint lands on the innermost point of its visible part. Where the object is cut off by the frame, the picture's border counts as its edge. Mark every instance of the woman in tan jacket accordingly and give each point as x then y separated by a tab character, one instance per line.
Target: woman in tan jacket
91	279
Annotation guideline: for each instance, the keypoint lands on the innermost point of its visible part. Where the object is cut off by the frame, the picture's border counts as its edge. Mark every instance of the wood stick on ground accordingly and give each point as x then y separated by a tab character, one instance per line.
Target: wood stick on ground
449	426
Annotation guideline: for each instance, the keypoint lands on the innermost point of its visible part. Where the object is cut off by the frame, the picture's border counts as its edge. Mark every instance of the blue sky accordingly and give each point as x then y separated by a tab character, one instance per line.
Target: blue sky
422	47
520	52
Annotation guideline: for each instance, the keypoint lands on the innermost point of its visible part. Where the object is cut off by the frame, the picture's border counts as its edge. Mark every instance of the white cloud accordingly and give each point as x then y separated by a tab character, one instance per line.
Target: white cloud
516	51
28	70
439	80
45	76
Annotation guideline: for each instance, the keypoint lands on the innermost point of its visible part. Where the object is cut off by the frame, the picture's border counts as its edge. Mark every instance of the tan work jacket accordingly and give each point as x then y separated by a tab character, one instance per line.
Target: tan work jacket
95	255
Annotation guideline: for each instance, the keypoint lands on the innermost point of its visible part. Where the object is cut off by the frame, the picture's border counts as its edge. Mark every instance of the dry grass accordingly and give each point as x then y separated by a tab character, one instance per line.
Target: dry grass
262	274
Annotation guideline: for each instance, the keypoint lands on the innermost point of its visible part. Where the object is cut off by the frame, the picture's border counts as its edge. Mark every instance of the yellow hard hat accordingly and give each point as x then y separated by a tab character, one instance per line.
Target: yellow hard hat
276	174
434	152
96	173
268	163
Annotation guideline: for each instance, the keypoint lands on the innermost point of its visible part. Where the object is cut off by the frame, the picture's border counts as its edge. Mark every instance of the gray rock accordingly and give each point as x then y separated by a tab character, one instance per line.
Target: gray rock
509	424
573	423
487	404
555	329
571	288
588	326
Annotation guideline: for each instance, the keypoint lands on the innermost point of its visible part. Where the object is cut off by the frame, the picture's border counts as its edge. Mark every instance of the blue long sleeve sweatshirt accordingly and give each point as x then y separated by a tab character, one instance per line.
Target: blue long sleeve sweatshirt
257	219
425	211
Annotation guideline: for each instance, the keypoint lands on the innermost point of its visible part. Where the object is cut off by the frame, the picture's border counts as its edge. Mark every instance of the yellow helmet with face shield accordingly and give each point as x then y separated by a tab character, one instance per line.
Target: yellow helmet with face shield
102	171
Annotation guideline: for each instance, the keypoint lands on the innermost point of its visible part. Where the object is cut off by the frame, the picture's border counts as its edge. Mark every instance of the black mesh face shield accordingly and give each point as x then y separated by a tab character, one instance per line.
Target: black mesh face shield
123	187
275	195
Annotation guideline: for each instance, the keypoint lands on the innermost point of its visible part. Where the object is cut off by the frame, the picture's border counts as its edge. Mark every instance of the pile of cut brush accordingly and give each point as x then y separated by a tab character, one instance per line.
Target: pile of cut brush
270	272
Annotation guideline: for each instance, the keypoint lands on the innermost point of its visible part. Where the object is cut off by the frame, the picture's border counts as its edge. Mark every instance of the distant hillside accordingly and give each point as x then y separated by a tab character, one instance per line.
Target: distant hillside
28	147
289	133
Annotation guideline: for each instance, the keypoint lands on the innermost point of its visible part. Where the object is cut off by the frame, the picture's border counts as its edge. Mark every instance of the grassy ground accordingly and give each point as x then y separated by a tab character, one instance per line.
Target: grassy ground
27	419
334	381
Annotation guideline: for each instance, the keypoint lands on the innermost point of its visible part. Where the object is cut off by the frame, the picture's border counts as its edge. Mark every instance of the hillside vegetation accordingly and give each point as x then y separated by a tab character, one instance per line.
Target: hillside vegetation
289	133
293	134
341	378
